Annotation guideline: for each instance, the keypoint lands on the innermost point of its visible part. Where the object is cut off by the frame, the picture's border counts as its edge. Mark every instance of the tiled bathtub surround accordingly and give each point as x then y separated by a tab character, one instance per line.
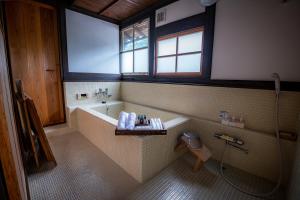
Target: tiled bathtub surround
202	105
140	156
72	88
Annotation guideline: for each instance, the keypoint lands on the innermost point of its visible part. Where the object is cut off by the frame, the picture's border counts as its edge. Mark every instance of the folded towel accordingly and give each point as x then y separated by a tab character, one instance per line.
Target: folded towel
123	116
131	121
156	124
153	124
143	128
159	123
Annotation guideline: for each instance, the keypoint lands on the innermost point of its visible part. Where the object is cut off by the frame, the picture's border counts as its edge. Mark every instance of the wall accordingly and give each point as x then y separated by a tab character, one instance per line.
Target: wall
203	103
254	38
179	10
93	44
73	88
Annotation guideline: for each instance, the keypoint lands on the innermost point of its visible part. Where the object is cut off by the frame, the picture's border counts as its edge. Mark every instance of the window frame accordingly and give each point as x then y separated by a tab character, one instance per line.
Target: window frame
177	35
133	49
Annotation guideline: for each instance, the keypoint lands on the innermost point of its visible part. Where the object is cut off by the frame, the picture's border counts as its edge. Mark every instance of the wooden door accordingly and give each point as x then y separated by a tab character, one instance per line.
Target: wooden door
34	54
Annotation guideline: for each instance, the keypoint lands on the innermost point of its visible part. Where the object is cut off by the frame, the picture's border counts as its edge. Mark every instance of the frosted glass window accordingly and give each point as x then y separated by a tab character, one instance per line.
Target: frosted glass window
166	64
127	62
141	32
127	39
167	47
134	50
190	43
180	53
93	45
189	63
141	60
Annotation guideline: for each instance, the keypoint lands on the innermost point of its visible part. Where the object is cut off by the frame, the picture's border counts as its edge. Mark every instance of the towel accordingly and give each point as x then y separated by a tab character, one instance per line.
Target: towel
156	124
153	124
123	116
131	121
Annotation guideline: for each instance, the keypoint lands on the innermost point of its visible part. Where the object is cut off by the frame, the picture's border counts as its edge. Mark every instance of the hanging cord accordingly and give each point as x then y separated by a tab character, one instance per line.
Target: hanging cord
267	194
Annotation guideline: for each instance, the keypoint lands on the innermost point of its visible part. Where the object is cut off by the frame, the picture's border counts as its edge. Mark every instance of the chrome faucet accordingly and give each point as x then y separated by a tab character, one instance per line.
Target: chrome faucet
103	95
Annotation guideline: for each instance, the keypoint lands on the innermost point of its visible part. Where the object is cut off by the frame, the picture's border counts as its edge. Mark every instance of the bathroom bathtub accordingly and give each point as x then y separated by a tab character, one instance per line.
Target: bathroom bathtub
140	156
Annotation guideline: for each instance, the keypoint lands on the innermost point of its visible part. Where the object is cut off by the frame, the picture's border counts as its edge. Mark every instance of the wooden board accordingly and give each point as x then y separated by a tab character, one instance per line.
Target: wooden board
140	132
34	54
38	130
26	122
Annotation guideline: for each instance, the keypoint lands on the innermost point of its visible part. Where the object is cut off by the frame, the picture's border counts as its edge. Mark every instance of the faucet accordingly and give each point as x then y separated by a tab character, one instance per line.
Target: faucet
103	95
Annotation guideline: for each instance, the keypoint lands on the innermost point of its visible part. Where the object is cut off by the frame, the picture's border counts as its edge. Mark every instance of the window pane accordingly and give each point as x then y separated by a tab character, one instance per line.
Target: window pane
190	43
167	47
166	64
141	32
127	62
141	60
127	39
189	63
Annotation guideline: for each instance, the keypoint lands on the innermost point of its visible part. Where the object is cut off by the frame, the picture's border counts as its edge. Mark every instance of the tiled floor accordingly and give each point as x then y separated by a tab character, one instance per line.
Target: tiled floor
82	172
86	173
178	182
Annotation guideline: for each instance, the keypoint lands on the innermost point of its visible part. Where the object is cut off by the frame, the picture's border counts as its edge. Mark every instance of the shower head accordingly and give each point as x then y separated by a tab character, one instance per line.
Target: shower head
276	78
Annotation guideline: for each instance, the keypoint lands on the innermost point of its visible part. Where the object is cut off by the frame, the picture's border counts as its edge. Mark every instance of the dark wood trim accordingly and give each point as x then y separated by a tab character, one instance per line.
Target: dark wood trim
108	6
92	14
264	85
179	54
180	74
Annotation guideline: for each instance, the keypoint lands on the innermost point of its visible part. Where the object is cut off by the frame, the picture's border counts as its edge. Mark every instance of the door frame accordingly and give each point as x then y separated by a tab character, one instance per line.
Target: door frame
10	155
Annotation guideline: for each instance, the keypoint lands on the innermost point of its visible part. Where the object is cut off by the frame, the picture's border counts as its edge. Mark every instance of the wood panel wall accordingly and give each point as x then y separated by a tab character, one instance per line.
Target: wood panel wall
34	54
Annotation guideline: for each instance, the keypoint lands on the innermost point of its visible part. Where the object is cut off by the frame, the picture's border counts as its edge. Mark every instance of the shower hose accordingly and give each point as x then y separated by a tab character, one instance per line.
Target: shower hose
267	194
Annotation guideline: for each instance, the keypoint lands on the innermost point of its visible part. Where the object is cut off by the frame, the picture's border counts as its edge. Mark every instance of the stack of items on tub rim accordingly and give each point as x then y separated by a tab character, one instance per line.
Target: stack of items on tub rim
131	121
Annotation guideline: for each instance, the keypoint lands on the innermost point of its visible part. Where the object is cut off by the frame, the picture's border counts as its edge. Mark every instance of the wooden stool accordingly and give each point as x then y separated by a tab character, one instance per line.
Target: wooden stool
196	152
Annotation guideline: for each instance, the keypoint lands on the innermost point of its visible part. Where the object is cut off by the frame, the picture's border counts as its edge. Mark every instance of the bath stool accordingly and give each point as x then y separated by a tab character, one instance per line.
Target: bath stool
202	154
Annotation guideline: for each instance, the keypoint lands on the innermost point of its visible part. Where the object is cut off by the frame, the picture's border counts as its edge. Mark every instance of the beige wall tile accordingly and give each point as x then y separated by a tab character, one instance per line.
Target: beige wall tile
72	88
256	106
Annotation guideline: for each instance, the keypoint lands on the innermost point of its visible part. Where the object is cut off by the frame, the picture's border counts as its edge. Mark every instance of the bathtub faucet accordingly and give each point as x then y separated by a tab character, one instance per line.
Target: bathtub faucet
103	95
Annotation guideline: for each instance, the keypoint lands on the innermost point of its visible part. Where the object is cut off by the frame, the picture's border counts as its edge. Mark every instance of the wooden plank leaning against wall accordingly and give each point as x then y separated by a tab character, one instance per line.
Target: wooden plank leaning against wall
34	55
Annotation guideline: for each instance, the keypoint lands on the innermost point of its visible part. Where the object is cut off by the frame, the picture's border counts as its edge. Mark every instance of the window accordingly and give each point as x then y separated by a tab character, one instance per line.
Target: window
180	53
134	48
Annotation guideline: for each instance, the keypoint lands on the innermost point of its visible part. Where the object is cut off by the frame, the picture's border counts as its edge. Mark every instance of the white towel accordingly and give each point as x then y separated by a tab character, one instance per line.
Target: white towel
143	128
153	124
131	121
159	123
123	116
156	124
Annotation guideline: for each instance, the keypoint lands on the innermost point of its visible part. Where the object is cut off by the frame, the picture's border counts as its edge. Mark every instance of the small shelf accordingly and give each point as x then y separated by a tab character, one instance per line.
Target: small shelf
141	132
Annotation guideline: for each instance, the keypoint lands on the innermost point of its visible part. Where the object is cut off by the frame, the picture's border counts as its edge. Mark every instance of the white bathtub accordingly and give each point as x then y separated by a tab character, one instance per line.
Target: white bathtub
141	156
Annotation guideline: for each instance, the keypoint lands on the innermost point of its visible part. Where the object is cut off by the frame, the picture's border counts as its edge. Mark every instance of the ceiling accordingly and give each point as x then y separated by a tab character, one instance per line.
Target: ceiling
114	9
